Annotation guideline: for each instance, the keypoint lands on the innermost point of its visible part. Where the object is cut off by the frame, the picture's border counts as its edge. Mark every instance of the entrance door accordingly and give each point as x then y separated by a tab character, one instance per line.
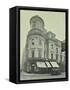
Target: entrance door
28	67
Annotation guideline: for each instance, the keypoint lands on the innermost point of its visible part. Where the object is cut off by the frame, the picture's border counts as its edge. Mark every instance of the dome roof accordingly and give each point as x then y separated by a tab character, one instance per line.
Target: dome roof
36	18
37	26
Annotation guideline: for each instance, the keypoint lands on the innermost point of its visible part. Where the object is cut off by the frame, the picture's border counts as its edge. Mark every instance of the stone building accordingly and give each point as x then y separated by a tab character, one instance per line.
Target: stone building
42	48
63	58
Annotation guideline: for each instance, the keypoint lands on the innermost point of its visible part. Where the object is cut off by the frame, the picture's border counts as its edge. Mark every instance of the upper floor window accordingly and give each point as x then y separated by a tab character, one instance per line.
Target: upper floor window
57	57
52	46
32	53
61	57
56	50
40	42
39	53
32	43
51	56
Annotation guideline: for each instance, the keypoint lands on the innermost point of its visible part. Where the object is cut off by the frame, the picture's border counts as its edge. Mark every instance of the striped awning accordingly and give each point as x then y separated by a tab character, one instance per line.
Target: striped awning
54	64
41	64
48	64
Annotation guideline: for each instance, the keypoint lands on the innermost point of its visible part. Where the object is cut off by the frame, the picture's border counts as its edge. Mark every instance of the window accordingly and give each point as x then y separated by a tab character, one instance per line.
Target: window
32	43
39	53
52	46
56	50
32	53
51	56
57	57
61	57
34	24
40	42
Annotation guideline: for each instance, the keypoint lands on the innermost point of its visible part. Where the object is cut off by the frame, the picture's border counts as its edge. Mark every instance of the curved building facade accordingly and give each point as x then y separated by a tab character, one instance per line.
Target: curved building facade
43	50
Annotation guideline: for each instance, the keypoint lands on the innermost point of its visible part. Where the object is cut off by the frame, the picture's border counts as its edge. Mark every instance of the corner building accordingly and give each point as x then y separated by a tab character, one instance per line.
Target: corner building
43	50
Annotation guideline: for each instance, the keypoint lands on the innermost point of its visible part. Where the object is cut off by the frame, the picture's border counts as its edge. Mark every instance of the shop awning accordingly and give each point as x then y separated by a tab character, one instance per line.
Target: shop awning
41	64
54	64
48	64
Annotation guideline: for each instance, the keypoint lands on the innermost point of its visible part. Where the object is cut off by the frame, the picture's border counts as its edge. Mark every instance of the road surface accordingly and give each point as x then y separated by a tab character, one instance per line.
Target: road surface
33	76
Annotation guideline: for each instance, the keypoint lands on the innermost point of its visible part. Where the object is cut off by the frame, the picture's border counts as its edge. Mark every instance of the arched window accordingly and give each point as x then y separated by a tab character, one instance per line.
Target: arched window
56	57
51	55
32	53
51	46
56	50
32	41
39	53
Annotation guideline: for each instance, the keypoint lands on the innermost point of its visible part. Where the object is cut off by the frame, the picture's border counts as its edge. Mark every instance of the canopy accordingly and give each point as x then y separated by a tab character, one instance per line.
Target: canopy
48	64
54	64
41	64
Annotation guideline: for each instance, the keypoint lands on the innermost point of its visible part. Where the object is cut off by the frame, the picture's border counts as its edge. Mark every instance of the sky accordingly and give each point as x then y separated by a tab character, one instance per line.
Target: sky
54	21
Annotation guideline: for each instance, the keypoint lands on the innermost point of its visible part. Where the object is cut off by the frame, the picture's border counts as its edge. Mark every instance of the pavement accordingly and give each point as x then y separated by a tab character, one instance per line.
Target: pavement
34	76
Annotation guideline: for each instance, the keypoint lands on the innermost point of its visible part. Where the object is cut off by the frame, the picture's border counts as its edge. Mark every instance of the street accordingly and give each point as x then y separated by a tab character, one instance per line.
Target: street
31	76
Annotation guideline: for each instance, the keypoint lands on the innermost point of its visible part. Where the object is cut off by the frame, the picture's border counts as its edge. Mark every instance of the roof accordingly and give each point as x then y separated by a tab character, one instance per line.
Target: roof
51	33
35	18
